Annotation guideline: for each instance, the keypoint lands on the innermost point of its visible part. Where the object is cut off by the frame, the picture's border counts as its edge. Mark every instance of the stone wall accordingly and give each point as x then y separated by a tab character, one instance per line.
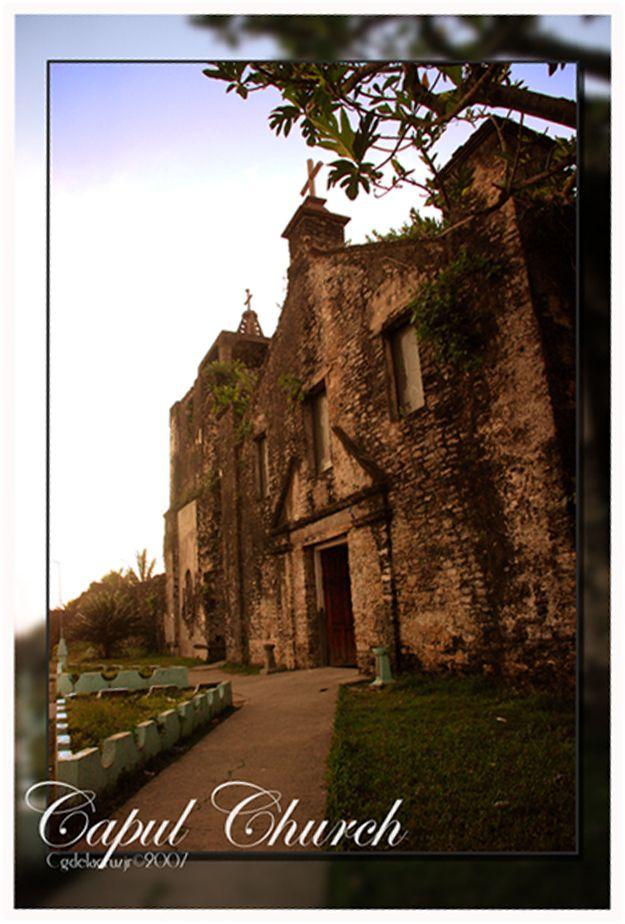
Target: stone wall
197	524
457	516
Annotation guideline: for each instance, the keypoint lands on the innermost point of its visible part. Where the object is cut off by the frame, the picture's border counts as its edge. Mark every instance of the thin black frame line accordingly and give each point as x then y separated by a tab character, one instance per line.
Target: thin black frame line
348	855
579	505
48	329
399	60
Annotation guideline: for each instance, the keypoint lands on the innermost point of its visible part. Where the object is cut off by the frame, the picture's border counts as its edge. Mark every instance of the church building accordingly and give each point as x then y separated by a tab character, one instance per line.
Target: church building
346	483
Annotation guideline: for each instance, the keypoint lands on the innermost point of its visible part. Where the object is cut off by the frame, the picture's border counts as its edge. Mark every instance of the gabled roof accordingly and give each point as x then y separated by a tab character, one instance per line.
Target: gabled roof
483	133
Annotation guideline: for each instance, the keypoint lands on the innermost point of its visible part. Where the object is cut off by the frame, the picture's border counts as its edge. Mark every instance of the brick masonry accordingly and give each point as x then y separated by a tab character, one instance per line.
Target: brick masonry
457	517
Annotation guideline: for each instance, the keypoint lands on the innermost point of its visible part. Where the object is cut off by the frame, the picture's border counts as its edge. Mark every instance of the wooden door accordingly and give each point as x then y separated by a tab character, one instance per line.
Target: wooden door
338	606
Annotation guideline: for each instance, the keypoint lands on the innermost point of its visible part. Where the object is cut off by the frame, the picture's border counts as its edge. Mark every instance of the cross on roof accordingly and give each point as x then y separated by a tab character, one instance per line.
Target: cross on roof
309	185
249	323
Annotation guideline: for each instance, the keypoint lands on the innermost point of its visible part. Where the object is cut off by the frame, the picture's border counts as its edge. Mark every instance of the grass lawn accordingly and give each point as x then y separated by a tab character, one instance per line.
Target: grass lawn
479	767
91	720
80	658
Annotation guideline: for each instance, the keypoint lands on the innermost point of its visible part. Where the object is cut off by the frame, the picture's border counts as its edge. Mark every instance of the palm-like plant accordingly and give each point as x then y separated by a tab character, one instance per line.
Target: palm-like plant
107	618
144	568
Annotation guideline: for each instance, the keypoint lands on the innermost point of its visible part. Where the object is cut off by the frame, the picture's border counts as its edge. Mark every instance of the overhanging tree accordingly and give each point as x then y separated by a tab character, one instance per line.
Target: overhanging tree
418	38
373	115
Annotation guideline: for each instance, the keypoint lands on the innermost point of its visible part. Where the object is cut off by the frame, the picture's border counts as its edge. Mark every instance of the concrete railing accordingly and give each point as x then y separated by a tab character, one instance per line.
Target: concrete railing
98	769
94	681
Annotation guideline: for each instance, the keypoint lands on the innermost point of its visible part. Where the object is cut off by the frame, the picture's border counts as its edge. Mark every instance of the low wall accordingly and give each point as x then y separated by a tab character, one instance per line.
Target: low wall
99	769
93	681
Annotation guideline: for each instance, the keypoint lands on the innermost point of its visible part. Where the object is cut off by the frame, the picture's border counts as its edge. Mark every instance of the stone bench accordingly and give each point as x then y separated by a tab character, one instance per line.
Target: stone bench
94	681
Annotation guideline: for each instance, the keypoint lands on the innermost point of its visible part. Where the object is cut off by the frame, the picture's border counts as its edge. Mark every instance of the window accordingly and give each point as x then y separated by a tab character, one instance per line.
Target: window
407	384
188	600
320	430
262	466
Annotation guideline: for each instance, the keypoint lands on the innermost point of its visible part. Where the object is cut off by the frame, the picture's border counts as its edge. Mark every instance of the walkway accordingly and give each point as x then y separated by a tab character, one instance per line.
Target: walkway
279	739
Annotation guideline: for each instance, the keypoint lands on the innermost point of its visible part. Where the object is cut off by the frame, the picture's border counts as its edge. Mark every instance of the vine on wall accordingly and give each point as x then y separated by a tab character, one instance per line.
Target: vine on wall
291	385
231	384
448	311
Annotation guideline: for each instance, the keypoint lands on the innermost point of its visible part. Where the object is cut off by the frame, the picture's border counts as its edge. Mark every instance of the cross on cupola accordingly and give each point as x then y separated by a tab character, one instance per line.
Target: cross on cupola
309	185
249	323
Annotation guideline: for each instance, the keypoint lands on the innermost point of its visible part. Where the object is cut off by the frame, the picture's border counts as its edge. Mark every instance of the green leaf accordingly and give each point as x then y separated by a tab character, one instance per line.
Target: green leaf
331	146
347	132
454	72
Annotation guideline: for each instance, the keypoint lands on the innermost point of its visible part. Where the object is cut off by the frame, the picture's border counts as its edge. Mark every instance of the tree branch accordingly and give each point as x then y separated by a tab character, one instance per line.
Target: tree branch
551	108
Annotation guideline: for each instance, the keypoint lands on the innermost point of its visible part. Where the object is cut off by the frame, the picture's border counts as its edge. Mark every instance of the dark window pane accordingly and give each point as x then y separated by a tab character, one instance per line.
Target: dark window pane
262	466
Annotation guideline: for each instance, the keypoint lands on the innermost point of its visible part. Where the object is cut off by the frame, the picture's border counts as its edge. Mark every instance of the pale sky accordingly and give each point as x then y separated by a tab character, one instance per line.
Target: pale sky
168	199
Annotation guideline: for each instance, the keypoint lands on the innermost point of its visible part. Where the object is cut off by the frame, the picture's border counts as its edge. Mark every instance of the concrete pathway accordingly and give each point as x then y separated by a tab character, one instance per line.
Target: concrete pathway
278	739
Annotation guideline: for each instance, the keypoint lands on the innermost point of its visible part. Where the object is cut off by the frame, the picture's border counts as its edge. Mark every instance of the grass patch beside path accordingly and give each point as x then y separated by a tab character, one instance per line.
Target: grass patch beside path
229	667
469	781
91	720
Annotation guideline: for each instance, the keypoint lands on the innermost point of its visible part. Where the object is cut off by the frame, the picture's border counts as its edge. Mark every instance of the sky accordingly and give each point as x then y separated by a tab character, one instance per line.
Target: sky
167	200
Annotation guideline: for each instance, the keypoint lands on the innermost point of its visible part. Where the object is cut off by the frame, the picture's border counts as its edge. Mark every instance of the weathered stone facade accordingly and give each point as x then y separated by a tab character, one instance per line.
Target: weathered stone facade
457	516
